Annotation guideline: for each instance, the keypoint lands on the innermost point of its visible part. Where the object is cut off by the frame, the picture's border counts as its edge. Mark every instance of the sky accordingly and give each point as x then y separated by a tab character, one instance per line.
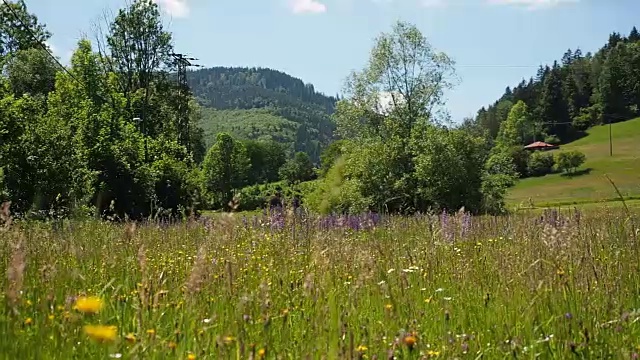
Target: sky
495	43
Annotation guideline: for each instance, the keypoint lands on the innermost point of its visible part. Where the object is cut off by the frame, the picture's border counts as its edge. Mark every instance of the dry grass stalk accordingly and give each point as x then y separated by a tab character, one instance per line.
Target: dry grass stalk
5	214
199	273
15	273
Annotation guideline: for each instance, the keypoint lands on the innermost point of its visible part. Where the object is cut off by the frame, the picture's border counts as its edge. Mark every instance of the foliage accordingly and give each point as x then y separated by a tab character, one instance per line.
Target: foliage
500	162
250	124
552	139
265	104
31	71
335	194
582	90
540	163
569	161
449	168
520	158
177	186
257	196
297	169
508	160
398	159
69	138
266	159
330	155
494	189
587	117
225	168
21	33
518	128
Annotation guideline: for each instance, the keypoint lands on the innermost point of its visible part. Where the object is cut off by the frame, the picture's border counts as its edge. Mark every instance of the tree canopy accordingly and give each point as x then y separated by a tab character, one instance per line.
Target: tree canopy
395	156
582	90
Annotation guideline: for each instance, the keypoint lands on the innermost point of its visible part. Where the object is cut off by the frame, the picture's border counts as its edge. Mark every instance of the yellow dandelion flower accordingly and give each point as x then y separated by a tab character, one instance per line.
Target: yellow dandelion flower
433	353
91	304
388	307
51	317
28	321
151	332
191	356
130	338
228	339
361	349
261	353
560	272
101	333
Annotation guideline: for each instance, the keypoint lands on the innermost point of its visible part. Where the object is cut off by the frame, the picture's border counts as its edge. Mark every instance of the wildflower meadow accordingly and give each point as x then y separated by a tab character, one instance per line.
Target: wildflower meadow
558	284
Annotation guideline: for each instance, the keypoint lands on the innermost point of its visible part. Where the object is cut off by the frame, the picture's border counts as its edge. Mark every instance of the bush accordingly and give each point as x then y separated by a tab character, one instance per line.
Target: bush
257	196
520	158
501	163
337	195
552	139
540	163
512	161
4	195
177	188
494	188
569	161
298	169
588	117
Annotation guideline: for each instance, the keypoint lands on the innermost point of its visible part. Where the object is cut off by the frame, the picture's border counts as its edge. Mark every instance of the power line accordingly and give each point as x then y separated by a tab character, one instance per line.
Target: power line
182	63
44	47
496	66
35	39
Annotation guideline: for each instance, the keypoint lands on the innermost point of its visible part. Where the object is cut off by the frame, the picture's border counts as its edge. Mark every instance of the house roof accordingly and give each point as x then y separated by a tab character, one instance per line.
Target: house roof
538	144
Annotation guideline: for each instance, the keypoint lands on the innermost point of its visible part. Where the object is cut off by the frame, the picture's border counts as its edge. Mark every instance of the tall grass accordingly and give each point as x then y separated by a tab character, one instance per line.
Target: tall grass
558	285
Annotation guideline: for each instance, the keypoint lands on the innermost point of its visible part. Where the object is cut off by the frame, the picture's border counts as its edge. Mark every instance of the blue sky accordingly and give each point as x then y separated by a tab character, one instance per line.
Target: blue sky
495	43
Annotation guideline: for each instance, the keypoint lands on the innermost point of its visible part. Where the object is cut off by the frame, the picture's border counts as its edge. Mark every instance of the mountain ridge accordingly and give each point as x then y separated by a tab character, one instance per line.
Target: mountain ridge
232	95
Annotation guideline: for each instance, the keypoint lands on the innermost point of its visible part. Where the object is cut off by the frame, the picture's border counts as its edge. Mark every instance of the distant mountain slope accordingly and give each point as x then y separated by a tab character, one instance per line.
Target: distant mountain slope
291	111
254	124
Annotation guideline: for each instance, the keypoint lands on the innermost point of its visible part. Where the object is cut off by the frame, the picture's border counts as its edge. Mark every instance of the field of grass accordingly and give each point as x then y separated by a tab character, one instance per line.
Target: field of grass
623	168
560	285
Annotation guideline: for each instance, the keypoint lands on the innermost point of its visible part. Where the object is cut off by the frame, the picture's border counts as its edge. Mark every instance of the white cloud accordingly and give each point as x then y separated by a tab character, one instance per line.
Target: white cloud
385	102
307	6
176	8
63	56
532	4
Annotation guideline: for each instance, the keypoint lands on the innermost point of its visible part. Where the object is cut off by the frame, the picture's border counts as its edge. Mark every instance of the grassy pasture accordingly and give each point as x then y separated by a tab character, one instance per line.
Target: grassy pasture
552	285
623	168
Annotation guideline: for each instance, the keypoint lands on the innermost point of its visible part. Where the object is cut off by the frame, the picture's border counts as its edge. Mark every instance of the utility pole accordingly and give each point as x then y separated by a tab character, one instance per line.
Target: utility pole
182	63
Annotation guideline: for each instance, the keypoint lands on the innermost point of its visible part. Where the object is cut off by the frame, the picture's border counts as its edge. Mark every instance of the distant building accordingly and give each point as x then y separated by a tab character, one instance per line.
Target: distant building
540	145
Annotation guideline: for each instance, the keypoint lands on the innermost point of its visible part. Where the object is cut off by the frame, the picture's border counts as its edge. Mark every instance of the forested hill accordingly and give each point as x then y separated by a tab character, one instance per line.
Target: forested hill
259	103
582	90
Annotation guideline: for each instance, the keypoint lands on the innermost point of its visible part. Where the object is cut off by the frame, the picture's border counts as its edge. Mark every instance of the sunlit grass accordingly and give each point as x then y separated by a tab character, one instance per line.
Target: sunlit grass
556	286
622	168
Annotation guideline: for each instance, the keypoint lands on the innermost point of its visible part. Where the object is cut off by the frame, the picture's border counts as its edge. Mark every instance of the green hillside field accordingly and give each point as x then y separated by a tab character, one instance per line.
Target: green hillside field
254	124
592	186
